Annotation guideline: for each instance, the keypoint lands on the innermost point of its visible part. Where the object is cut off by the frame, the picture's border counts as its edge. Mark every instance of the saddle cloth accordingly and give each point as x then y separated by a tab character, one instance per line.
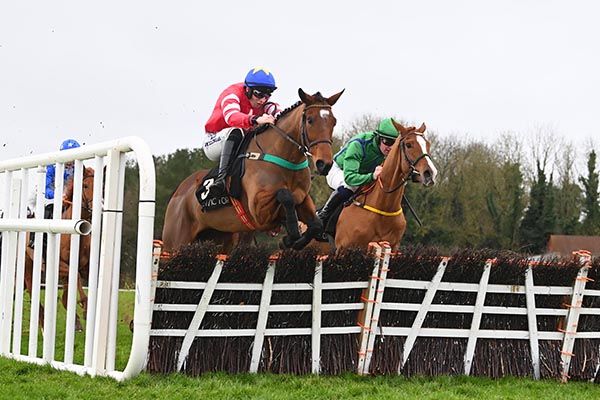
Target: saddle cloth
212	198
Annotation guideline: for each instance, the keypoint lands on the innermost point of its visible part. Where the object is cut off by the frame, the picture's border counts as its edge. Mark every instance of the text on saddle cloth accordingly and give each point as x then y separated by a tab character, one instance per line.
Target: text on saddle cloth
212	197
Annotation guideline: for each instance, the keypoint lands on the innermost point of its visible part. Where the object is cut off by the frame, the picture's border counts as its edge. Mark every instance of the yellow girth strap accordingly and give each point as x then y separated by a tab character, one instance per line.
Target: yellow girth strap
377	211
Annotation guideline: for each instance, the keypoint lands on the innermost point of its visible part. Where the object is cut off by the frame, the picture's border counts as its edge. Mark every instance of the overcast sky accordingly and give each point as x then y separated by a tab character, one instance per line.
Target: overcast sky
95	71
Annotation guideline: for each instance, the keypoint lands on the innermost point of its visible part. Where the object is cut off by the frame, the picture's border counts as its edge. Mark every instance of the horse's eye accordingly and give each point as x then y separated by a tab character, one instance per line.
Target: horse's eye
409	145
310	120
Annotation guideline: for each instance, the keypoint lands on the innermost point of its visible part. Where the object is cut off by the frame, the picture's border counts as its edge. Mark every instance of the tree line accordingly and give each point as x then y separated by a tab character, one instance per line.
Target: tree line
510	194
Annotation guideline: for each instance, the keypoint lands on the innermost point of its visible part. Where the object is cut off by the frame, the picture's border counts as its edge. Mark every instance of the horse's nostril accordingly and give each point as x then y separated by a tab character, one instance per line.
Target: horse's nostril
428	178
322	167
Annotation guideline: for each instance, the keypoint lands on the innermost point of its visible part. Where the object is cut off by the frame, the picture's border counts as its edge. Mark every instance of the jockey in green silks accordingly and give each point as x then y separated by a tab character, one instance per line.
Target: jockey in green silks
357	163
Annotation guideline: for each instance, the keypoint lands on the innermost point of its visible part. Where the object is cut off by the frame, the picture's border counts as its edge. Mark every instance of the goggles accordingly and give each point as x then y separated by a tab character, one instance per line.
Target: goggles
260	95
387	141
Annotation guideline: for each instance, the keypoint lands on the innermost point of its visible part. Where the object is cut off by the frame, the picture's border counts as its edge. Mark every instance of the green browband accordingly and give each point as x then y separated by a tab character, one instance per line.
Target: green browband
278	161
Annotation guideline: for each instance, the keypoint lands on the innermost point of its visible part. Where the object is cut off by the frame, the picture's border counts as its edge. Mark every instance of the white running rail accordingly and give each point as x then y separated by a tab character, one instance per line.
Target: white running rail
105	228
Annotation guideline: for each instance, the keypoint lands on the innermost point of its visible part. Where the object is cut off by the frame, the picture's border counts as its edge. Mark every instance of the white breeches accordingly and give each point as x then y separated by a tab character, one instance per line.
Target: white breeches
335	178
213	143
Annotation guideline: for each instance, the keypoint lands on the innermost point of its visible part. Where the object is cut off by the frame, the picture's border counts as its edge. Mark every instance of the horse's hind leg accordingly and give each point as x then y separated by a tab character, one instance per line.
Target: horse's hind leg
284	197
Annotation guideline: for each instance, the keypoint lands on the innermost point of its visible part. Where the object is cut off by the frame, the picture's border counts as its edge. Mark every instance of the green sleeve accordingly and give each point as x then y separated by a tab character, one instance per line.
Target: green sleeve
352	160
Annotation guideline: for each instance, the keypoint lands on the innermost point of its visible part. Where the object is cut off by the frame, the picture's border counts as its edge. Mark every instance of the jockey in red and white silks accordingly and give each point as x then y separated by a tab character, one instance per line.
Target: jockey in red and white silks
232	110
239	108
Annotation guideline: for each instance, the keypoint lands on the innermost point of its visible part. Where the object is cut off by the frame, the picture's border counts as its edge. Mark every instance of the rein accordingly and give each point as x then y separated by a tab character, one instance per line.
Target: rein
303	147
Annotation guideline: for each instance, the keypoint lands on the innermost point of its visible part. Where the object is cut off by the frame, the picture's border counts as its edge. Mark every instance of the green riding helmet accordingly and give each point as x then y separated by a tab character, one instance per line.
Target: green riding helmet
387	129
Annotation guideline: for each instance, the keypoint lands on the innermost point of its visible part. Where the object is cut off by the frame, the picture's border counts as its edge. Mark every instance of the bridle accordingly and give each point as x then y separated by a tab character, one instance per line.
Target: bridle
85	202
306	145
411	163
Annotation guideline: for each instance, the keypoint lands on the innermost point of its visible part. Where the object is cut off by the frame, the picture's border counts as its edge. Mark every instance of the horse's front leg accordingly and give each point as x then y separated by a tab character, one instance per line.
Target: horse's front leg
285	198
314	227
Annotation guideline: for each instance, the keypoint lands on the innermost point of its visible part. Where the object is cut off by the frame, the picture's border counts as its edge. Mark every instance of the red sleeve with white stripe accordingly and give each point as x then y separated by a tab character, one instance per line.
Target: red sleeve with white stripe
230	106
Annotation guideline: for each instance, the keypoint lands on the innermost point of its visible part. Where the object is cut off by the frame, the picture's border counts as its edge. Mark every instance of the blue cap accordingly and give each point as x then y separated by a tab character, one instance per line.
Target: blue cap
69	144
260	77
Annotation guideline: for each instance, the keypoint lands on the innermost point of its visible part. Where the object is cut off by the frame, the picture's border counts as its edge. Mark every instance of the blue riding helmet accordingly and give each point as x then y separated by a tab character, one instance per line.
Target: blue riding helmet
260	77
69	144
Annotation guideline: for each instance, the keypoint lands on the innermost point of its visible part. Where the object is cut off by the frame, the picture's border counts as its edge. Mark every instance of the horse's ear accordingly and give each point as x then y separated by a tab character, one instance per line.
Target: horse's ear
304	97
333	99
399	127
422	128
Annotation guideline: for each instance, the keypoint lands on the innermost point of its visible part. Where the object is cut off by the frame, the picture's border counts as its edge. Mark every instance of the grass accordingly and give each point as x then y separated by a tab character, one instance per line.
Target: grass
124	335
27	381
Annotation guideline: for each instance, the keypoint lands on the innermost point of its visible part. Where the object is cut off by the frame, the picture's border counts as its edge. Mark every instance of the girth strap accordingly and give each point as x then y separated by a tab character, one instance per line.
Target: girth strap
273	159
377	211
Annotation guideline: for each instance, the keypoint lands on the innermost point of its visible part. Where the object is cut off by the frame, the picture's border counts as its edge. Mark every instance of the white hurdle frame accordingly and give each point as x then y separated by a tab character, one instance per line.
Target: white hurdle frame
372	304
477	313
100	336
575	310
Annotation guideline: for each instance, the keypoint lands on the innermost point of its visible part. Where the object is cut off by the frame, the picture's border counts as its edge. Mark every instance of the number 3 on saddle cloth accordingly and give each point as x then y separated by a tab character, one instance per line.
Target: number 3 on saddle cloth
213	197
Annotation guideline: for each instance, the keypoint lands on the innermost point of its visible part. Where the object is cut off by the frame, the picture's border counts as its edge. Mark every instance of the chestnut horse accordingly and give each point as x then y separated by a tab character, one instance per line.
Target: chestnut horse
376	213
272	191
87	195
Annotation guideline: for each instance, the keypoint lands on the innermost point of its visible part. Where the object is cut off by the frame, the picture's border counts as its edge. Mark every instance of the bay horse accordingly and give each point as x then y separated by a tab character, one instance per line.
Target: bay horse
376	213
275	184
87	196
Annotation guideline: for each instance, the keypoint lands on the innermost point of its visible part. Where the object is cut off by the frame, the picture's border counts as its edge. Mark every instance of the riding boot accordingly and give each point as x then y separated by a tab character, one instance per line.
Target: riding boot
337	197
228	150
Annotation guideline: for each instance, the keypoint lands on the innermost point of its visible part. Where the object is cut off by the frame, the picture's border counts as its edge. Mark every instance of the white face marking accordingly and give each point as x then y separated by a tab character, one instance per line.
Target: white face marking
324	113
423	144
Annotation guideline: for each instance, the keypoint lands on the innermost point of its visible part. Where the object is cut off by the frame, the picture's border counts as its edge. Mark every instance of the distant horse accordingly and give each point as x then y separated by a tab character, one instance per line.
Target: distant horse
87	196
376	213
275	184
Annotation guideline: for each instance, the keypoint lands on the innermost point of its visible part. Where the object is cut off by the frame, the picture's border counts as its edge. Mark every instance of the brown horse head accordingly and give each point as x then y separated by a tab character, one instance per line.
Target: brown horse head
414	151
317	128
87	192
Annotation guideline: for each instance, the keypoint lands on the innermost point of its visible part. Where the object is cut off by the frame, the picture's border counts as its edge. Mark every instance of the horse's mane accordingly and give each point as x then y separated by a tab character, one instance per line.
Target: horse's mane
318	96
262	128
288	110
